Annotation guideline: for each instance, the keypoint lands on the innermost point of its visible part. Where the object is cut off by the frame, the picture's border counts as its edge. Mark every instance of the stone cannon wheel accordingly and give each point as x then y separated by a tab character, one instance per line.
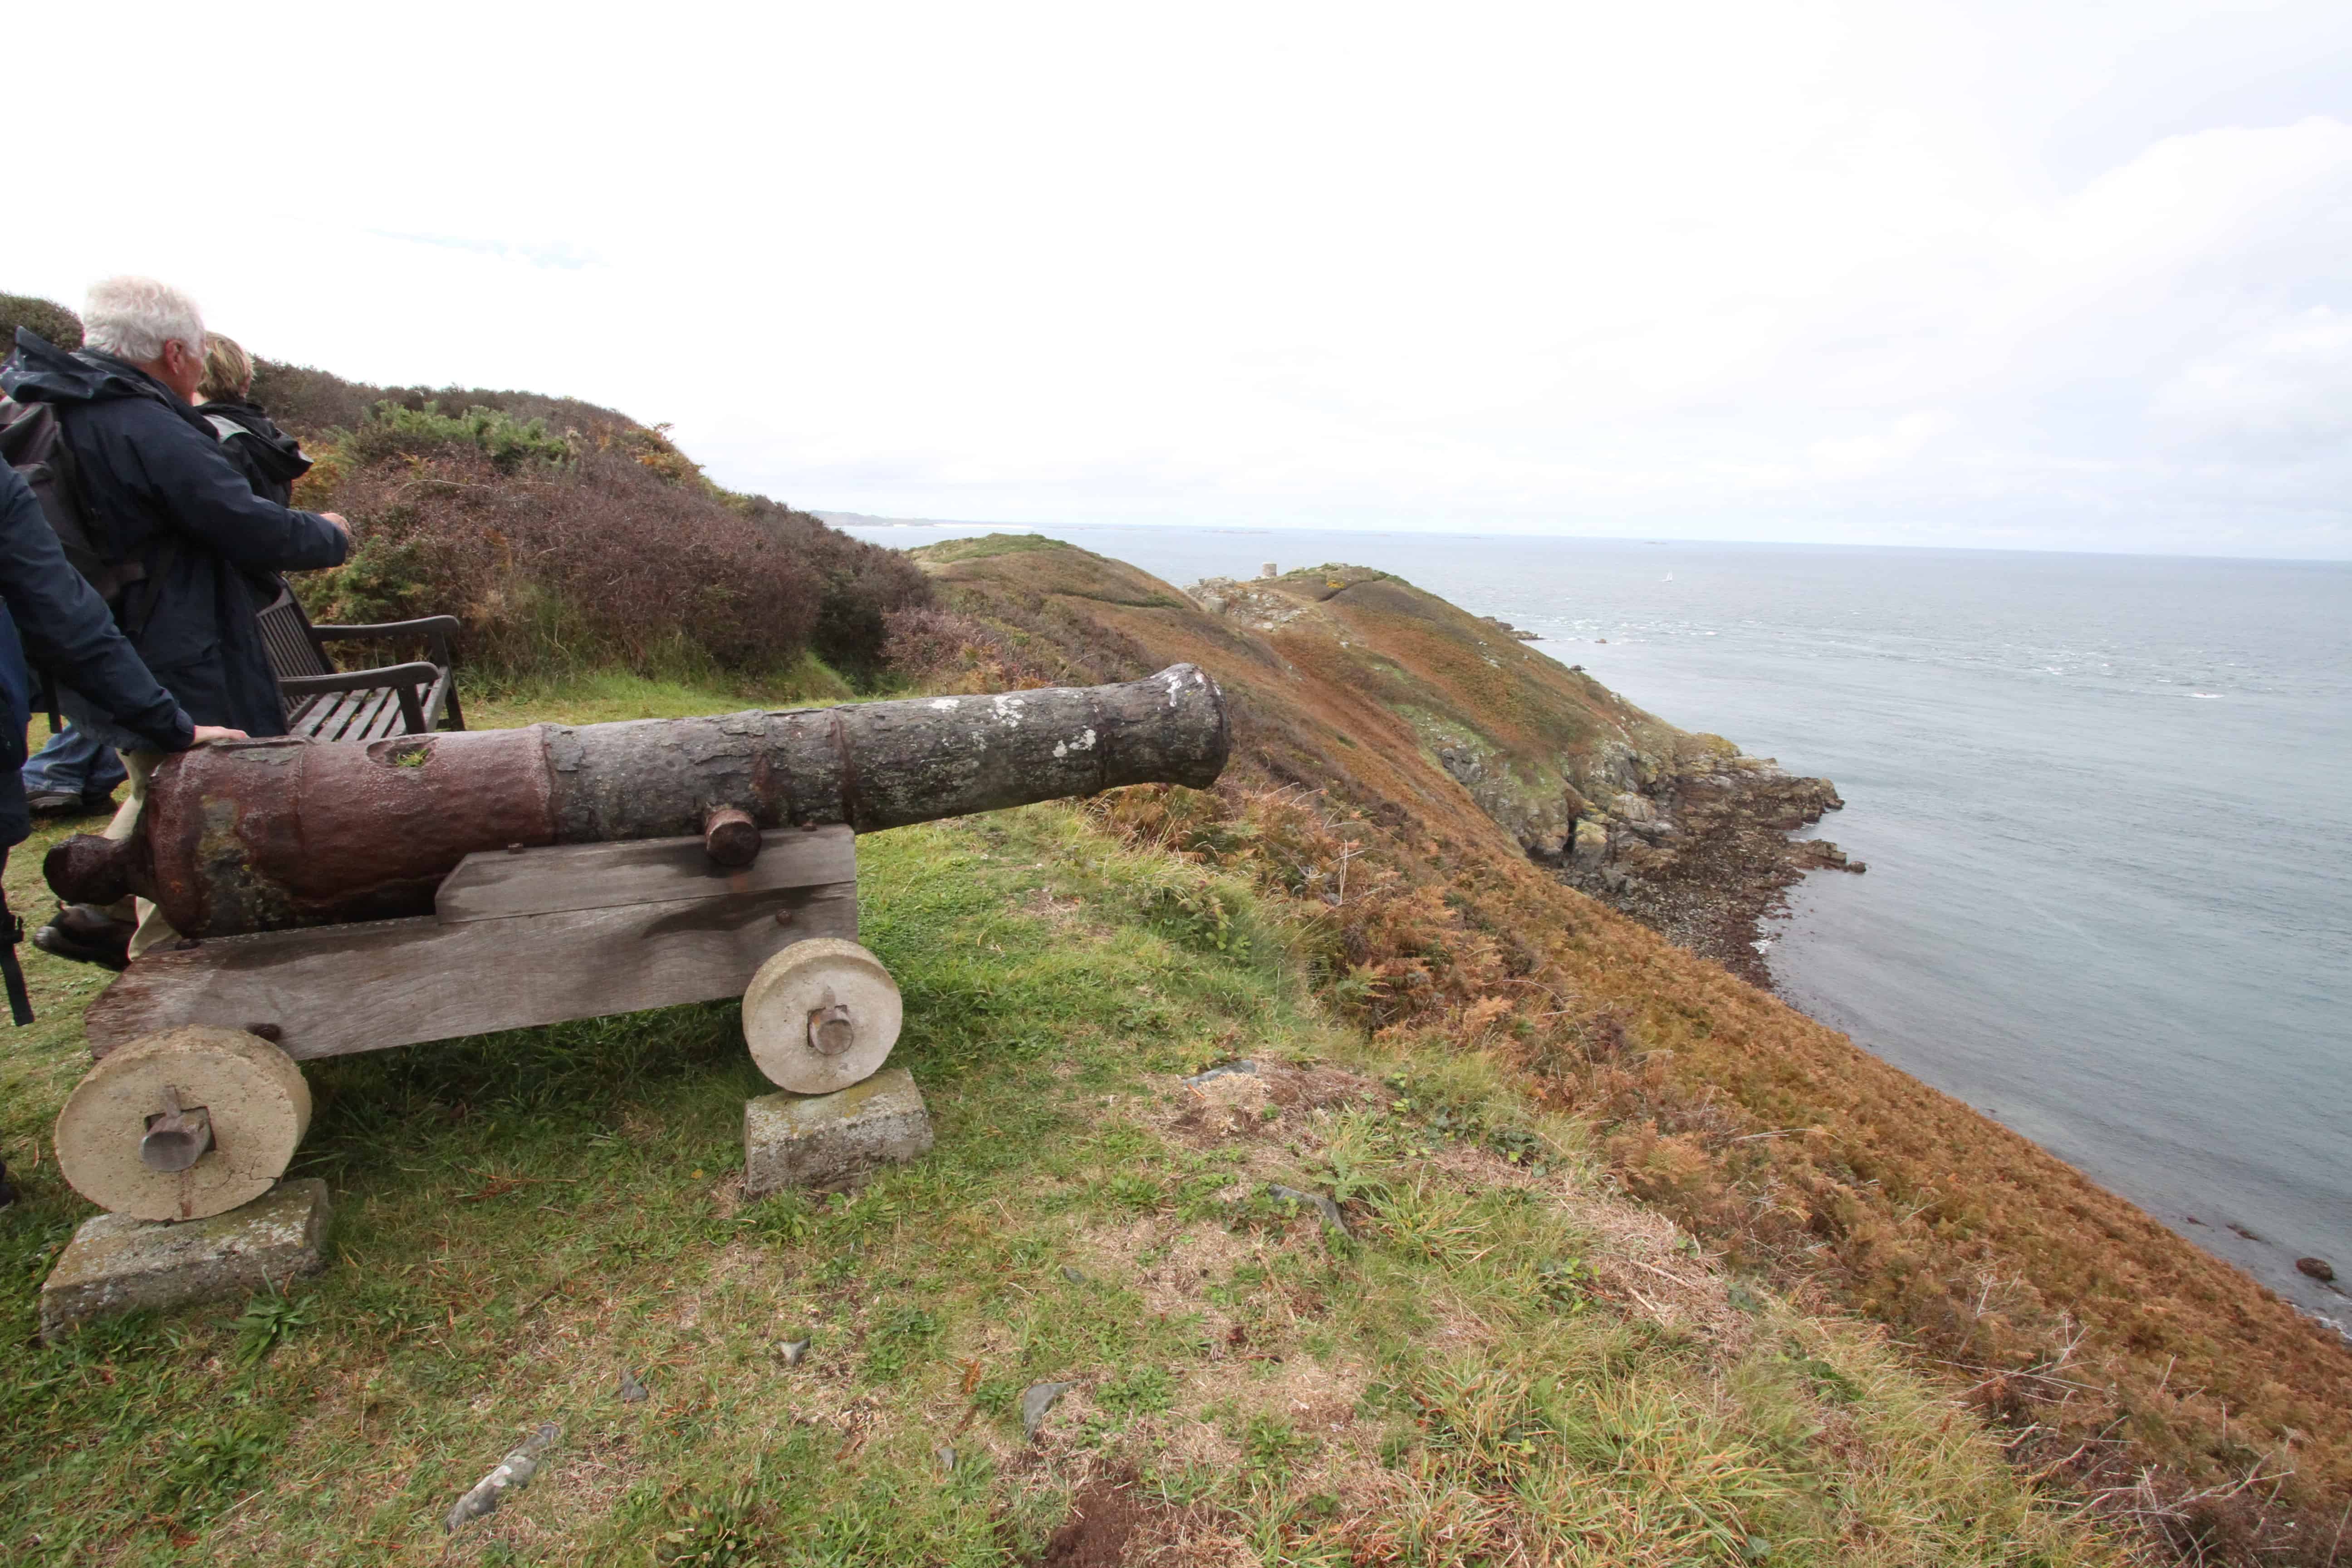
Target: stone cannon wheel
821	1015
183	1124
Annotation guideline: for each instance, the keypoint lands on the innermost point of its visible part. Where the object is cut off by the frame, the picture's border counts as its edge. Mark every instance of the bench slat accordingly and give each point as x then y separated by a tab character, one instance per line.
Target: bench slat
345	712
362	712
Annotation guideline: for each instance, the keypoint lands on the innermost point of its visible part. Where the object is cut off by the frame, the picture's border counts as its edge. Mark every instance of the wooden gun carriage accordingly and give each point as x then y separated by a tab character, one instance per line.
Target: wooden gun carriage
336	898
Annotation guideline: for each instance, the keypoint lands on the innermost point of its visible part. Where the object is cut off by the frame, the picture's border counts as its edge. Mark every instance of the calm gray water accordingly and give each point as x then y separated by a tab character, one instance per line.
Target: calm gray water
2107	803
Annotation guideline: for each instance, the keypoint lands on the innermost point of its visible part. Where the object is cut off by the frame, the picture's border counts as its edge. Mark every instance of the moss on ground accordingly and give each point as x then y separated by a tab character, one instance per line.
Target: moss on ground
1507	1362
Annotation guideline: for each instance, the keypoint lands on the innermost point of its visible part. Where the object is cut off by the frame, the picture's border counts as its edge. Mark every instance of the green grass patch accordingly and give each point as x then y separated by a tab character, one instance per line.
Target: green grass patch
947	551
528	1223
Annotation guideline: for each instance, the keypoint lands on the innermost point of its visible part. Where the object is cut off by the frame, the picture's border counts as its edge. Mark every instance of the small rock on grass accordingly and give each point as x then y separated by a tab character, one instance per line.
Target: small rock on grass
1317	1200
794	1351
631	1391
513	1473
1037	1399
1072	1275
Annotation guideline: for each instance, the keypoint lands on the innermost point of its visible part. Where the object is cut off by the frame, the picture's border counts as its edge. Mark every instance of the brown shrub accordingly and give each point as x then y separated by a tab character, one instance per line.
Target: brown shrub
596	562
47	319
312	402
564	537
860	586
943	651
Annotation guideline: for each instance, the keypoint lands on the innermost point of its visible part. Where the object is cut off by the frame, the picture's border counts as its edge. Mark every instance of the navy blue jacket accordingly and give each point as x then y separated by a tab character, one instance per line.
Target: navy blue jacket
60	616
161	493
272	460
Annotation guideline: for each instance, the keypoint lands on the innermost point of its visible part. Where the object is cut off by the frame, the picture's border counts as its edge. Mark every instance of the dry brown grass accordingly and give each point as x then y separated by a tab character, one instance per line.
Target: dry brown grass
2156	1381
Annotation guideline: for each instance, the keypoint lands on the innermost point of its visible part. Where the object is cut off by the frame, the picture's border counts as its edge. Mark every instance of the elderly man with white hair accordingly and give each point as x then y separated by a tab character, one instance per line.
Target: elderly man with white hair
180	528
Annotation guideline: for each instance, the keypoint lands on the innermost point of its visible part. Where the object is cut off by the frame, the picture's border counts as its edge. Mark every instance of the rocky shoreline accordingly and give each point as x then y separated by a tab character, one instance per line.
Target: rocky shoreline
1704	855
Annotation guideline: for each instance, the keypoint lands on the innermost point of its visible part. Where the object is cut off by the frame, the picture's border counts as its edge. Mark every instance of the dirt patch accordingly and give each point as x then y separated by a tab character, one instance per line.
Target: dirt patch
1109	1525
1259	1100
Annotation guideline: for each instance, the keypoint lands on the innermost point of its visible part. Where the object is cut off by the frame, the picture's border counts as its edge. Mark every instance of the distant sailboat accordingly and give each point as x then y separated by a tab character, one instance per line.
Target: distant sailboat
1668	578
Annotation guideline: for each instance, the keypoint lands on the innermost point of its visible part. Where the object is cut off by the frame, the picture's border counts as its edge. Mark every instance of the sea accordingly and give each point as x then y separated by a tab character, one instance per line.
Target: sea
2106	802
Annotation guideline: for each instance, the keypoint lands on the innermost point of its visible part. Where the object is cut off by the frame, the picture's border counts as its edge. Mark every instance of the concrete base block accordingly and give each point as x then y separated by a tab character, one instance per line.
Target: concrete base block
118	1264
833	1141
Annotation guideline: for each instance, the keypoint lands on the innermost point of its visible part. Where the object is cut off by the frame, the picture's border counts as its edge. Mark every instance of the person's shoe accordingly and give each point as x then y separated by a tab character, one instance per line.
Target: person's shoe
84	933
59	803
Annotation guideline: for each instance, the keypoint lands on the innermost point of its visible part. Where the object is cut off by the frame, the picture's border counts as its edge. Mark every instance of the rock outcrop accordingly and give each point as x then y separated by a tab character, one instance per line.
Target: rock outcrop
1676	828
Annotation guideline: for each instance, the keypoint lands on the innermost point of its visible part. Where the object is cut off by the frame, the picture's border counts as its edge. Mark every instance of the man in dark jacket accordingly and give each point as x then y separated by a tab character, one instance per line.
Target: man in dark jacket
162	493
75	774
46	606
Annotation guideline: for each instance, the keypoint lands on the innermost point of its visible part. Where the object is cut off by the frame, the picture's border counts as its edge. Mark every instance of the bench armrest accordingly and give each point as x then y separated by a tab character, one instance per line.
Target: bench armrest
427	625
418	674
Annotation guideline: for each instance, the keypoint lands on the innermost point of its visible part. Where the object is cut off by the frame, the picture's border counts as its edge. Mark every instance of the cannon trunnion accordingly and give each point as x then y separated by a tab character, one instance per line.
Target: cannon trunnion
352	898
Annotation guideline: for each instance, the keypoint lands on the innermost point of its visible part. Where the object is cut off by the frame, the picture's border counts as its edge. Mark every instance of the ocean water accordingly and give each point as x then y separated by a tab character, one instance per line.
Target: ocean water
2106	801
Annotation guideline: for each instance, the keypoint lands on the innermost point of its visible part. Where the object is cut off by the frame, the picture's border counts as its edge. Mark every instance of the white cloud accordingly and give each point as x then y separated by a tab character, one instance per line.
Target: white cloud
2284	390
1722	271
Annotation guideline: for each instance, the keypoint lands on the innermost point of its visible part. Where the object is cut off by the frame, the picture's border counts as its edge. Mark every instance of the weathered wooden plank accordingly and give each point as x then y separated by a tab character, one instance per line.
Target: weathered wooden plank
648	870
326	715
331	991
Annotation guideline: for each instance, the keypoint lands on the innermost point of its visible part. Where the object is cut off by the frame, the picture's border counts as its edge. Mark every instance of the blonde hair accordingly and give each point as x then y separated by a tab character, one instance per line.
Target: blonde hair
133	318
229	370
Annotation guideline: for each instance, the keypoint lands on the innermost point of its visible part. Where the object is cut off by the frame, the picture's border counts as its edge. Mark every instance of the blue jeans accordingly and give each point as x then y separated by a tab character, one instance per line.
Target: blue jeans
73	764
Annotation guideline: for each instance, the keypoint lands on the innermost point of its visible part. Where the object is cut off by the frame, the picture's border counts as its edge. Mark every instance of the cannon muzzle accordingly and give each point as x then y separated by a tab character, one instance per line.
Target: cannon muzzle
265	835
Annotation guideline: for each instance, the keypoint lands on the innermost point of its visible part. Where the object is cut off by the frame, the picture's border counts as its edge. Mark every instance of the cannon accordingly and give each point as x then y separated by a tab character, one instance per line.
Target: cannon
341	897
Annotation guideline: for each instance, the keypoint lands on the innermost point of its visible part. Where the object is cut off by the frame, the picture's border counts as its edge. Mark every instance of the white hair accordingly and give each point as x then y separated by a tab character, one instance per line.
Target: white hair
133	318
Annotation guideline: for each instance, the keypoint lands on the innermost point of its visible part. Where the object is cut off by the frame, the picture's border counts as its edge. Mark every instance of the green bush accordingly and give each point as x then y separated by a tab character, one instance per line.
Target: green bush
392	429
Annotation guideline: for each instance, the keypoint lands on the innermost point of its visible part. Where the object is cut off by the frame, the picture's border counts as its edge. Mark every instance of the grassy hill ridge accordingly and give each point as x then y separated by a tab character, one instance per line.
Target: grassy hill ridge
2143	1371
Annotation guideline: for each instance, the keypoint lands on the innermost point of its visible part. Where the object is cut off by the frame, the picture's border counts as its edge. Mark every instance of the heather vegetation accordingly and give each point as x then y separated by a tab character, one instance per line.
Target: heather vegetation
567	539
47	320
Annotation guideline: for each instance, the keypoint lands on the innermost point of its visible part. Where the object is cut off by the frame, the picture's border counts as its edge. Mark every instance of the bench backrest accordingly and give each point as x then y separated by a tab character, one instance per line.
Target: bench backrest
286	634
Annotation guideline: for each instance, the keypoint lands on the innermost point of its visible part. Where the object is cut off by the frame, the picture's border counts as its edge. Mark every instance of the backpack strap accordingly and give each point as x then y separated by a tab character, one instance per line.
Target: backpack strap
226	428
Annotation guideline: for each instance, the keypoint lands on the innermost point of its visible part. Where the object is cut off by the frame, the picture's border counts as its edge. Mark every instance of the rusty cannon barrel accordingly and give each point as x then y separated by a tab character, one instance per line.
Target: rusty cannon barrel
266	835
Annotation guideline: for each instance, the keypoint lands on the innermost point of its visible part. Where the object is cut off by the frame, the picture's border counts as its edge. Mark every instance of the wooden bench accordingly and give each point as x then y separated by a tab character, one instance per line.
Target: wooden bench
323	704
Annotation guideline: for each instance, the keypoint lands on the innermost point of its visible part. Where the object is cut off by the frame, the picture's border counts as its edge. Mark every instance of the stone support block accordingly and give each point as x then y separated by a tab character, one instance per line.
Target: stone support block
118	1264
827	1142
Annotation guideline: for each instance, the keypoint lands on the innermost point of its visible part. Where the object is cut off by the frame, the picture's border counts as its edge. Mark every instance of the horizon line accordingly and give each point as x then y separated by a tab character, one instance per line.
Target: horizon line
872	520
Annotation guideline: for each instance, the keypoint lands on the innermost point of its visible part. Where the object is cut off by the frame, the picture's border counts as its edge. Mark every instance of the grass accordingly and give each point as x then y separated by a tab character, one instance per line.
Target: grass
2122	1363
1508	1362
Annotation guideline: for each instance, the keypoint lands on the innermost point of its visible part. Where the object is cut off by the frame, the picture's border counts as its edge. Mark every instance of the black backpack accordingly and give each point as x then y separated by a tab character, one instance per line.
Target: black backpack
34	444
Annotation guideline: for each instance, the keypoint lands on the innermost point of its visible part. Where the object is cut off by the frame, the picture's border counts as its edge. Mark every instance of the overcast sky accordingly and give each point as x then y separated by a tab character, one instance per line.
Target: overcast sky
2053	275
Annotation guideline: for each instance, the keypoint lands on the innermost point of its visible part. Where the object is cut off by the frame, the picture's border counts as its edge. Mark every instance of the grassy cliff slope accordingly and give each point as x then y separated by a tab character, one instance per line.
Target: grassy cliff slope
2123	1360
1504	1359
